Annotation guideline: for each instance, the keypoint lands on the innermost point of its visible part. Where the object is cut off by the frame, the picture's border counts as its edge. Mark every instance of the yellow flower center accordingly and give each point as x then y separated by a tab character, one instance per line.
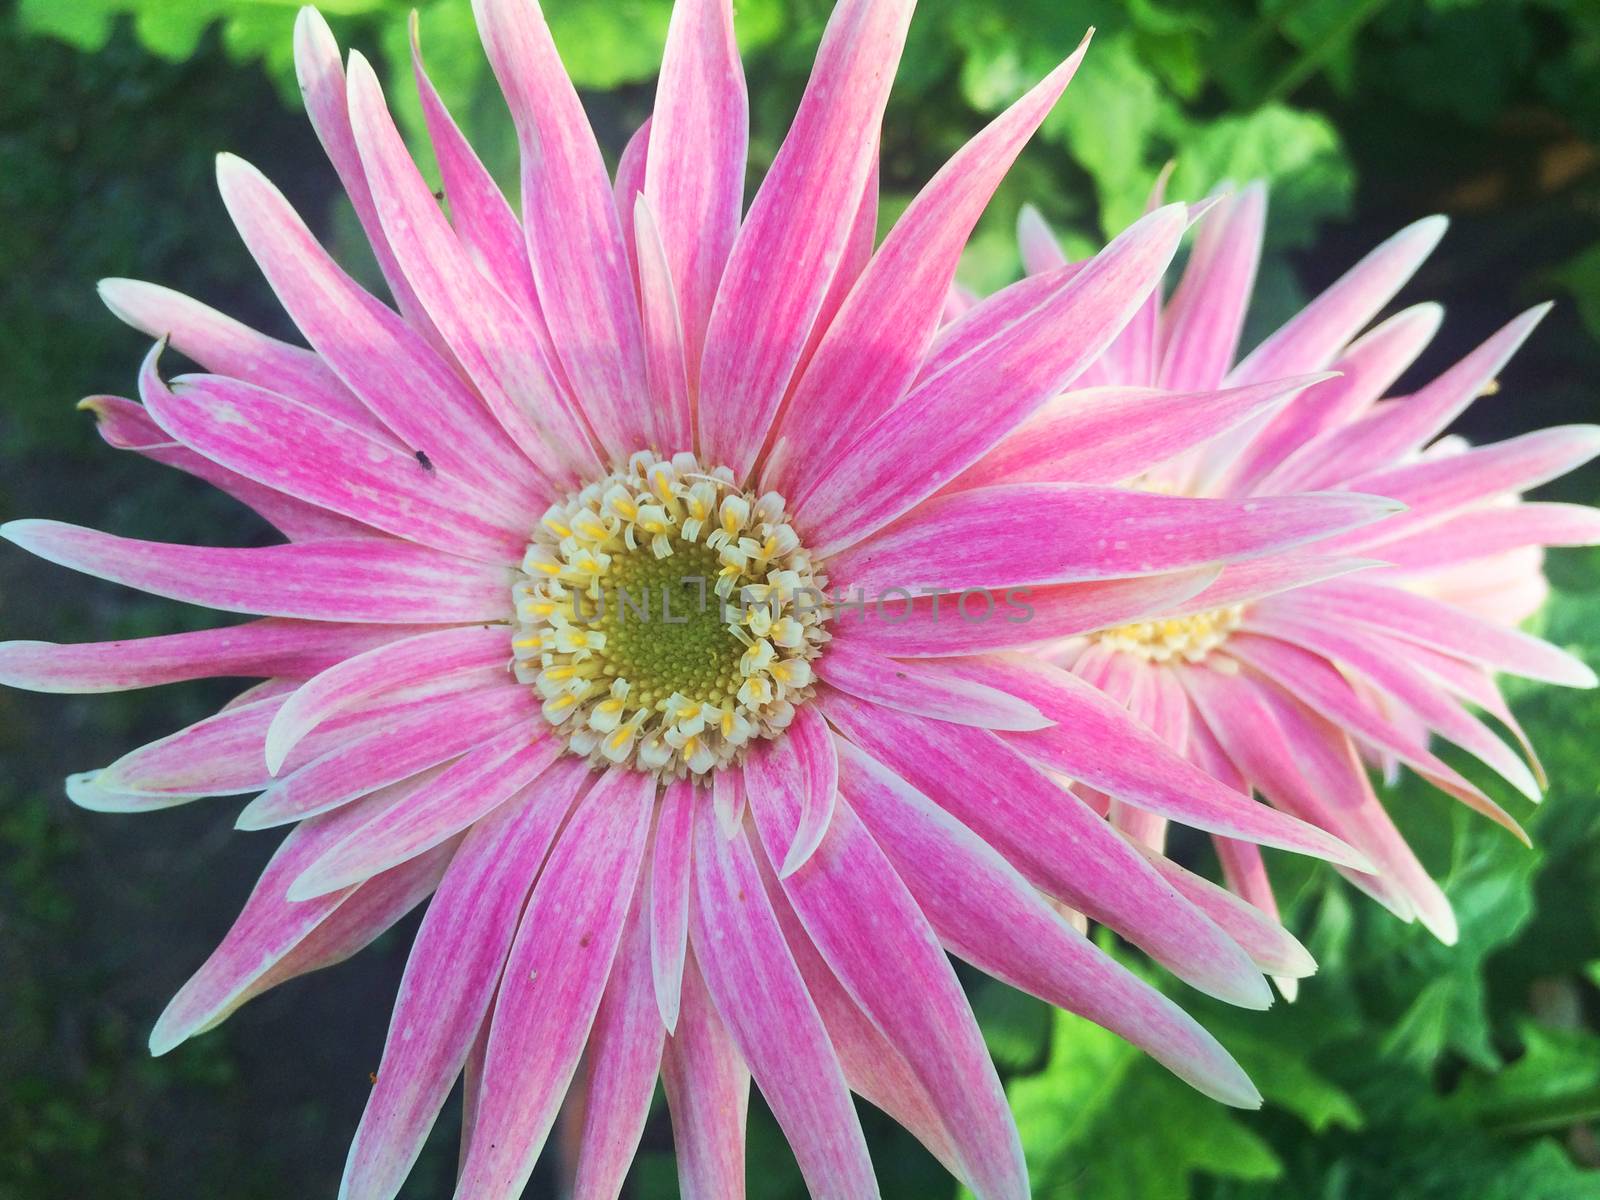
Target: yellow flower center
1187	638
668	618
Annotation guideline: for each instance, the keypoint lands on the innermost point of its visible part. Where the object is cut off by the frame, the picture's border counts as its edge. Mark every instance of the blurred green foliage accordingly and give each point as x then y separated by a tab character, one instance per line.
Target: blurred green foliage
1405	1069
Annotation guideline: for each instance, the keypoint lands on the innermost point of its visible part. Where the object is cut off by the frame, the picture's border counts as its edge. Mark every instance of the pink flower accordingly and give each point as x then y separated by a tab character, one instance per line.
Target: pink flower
673	838
1290	693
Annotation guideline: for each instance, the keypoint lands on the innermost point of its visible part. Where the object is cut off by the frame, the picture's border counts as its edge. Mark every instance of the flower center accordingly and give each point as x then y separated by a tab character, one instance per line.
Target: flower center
667	618
1188	638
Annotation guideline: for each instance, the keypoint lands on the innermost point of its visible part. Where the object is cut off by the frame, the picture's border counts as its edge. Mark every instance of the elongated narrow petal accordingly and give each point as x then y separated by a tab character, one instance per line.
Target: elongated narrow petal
411	740
225	346
427	656
694	176
1143	770
801	766
624	1057
285	649
396	373
987	913
760	996
128	426
339	579
554	979
1205	316
909	688
669	898
708	1090
287	446
854	907
950	421
468	789
574	233
1482	533
934	624
1095	533
871	353
801	218
1055	840
449	983
664	333
1104	435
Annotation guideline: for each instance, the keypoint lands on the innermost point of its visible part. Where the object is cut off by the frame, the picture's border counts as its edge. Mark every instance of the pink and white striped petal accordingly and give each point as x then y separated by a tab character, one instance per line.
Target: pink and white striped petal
801	766
910	687
801	218
554	980
669	897
708	1092
1205	316
664	333
338	579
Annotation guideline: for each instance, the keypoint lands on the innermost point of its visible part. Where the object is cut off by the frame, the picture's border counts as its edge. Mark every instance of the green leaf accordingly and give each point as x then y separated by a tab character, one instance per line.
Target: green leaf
1015	1026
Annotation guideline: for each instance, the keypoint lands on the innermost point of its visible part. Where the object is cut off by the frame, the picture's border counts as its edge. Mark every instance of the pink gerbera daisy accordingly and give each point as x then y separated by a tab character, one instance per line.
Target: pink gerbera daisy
1289	694
580	627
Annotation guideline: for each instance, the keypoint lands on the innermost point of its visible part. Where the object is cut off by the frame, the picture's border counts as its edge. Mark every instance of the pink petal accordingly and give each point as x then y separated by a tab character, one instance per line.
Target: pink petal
785	256
322	85
125	425
339	579
1270	946
872	934
470	788
398	376
934	626
287	649
1319	685
1040	251
694	174
1443	627
664	334
708	1089
574	234
623	1059
1093	533
1105	435
226	347
1206	314
910	688
267	928
1477	534
554	979
629	186
1054	839
669	898
727	800
952	419
800	765
1367	368
427	656
413	738
1313	336
449	983
984	319
762	999
290	447
988	914
1261	577
881	334
1095	741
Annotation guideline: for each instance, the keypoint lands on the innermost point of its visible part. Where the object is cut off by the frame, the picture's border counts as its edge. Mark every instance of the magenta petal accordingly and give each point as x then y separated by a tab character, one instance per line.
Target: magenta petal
953	418
988	914
694	179
1061	845
784	259
803	767
623	1059
1093	533
449	983
1205	316
910	688
339	579
554	979
881	333
669	897
708	1091
388	667
574	233
870	931
1479	533
286	649
760	995
629	186
664	334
